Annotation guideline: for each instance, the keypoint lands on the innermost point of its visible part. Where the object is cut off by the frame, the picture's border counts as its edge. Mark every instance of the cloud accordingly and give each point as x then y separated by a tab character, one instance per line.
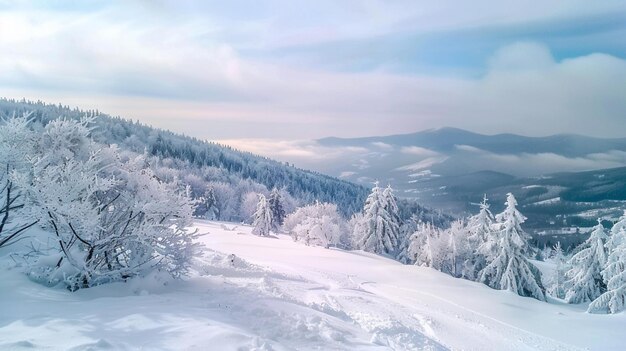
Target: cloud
382	146
209	69
532	164
418	151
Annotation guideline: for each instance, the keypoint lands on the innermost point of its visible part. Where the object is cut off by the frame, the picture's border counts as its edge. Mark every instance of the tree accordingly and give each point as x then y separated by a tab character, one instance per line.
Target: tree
16	144
276	207
319	225
458	250
614	275
208	206
262	218
557	284
380	223
426	247
509	269
110	220
584	279
482	240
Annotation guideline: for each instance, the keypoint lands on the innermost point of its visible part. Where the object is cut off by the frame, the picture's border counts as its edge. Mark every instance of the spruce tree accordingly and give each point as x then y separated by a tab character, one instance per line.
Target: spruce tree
614	275
380	223
584	280
481	239
509	269
262	218
277	210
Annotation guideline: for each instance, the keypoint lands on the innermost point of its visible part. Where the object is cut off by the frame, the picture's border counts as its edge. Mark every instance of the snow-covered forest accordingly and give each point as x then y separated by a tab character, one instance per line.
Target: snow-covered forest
89	201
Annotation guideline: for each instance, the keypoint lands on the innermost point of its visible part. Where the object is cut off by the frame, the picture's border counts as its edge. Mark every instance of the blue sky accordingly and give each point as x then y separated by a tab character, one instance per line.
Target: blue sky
295	70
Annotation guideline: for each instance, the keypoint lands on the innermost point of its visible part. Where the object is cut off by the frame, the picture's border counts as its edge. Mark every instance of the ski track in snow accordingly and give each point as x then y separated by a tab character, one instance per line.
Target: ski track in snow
252	293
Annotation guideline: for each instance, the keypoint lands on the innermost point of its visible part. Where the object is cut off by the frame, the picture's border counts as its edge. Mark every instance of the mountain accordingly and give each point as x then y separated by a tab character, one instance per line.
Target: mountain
447	139
562	181
235	177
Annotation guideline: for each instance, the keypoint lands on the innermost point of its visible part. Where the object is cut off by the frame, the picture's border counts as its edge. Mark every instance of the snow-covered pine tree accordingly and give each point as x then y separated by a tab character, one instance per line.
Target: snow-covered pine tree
262	218
614	274
509	269
557	282
208	203
406	230
429	248
615	239
275	202
458	250
394	222
482	240
584	280
380	227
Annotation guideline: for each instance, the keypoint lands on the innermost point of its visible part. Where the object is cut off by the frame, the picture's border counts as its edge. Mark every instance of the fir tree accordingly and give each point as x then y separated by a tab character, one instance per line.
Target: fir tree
277	210
614	274
262	218
584	280
557	286
509	269
380	226
481	239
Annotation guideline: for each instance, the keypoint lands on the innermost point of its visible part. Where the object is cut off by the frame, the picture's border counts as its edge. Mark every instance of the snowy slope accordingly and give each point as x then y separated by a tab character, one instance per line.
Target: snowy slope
274	294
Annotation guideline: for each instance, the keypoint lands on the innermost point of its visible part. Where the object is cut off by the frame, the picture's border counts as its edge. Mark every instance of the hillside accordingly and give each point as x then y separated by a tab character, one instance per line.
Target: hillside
208	162
255	293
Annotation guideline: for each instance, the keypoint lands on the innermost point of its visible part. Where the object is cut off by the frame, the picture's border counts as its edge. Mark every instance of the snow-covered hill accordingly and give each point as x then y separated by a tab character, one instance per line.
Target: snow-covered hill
255	293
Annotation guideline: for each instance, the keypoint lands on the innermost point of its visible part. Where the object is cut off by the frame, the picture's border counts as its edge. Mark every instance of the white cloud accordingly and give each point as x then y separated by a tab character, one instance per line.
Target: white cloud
180	66
418	151
383	146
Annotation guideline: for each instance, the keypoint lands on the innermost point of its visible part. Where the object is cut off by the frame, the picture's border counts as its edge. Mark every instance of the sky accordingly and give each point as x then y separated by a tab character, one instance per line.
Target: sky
297	70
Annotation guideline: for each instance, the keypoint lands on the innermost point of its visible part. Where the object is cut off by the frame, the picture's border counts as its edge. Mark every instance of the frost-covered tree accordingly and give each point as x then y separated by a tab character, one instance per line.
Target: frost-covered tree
508	268
319	225
615	238
262	218
614	275
109	221
428	248
275	202
557	281
584	280
380	223
407	229
458	251
207	205
482	240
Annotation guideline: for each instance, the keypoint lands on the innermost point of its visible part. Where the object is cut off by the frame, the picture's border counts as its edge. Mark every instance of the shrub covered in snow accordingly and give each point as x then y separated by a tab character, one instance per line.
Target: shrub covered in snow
319	225
109	219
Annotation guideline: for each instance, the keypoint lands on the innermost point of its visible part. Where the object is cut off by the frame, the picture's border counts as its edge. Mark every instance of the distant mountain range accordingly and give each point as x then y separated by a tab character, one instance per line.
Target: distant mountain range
561	181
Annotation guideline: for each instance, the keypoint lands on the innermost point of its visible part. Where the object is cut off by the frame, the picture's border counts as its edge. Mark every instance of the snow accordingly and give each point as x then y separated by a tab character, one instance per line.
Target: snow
271	293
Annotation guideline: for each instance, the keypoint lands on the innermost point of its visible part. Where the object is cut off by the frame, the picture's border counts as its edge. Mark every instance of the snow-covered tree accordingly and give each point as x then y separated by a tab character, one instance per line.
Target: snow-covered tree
584	280
557	281
380	223
207	205
262	218
319	225
614	275
458	252
482	239
427	247
276	207
509	269
404	241
615	238
110	219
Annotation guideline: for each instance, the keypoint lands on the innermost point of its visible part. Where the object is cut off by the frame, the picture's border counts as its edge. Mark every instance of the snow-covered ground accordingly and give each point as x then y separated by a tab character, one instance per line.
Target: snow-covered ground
254	293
